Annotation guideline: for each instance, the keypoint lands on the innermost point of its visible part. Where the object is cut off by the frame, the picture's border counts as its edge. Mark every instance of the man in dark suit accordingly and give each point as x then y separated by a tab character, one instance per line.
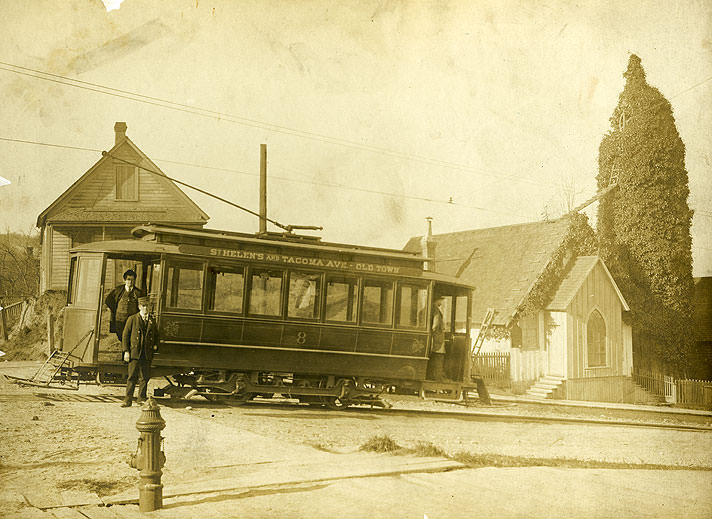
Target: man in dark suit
123	302
140	339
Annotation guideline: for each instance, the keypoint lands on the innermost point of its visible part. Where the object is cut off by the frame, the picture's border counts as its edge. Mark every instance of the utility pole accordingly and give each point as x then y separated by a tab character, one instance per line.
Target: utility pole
263	189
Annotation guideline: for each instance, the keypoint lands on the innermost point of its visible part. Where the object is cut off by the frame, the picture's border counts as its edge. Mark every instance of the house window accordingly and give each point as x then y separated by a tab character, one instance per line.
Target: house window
126	183
596	340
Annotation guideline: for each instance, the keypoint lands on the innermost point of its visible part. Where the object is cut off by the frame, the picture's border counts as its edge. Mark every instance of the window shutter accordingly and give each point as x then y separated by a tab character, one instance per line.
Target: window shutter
126	183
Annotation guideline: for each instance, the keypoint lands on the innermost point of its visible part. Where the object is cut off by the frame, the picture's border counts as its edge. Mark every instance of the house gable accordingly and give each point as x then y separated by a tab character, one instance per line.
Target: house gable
93	197
90	210
588	288
577	274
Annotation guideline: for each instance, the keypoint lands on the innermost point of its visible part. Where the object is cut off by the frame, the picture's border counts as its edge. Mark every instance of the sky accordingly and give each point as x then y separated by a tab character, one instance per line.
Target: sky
376	114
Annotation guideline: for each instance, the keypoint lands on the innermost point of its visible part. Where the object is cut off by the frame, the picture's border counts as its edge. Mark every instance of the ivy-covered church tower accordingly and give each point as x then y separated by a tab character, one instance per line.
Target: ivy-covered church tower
644	226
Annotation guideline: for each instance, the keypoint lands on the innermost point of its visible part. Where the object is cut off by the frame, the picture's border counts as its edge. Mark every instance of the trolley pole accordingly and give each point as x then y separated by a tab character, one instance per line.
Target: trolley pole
149	457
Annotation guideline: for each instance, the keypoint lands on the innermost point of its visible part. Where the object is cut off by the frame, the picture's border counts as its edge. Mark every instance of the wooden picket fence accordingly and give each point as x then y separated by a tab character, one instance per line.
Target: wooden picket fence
652	381
683	391
9	315
493	367
694	392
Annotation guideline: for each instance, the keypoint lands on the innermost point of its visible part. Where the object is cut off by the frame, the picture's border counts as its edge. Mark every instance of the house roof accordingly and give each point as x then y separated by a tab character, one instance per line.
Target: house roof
703	309
575	276
173	215
503	263
127	217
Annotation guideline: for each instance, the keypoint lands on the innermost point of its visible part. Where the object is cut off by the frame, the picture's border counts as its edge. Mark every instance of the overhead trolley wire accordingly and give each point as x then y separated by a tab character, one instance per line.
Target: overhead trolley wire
410	197
245	121
278	177
133	96
287	228
49	144
205	112
700	212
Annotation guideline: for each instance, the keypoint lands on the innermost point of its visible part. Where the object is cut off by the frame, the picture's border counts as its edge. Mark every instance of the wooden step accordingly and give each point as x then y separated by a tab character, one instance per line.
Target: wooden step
539	393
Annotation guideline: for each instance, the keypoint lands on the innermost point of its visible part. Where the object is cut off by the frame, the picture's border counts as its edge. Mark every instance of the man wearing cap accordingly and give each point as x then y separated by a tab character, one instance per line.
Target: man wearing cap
140	339
123	302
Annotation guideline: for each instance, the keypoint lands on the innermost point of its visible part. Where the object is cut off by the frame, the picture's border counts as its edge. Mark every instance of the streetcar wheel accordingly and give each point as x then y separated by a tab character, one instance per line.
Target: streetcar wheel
336	403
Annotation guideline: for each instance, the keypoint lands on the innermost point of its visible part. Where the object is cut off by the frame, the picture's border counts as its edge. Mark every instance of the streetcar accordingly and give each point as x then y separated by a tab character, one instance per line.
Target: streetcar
245	315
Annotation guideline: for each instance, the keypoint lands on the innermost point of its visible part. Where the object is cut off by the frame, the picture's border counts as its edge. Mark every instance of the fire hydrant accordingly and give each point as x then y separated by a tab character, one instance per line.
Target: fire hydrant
149	457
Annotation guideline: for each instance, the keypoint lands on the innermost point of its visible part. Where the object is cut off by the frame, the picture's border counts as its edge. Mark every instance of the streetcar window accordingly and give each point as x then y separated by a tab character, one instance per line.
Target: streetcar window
86	282
115	268
184	288
153	280
226	288
447	313
304	289
461	314
412	306
341	299
72	280
377	302
265	292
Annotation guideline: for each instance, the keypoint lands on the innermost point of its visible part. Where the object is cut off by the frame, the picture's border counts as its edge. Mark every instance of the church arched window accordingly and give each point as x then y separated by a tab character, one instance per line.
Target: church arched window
596	339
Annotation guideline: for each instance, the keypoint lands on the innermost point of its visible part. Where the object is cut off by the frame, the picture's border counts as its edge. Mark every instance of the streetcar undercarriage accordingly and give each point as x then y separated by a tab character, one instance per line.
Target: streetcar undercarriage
331	391
239	387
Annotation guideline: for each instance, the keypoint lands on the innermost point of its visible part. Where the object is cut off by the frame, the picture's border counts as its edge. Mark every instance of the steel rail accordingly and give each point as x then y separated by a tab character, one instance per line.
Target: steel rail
460	414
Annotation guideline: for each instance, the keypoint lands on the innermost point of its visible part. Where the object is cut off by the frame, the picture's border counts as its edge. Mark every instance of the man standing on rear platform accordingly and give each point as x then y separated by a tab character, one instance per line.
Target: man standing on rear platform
140	339
437	353
123	302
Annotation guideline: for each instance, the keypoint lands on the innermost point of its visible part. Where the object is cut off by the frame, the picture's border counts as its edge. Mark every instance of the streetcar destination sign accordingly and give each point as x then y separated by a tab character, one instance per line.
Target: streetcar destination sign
295	260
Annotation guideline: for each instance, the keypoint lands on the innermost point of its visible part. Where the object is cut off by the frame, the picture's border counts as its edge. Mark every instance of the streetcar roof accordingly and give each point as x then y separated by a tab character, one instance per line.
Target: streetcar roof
128	246
295	241
136	246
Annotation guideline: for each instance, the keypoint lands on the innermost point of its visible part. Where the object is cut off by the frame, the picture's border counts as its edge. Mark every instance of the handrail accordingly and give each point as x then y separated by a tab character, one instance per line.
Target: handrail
12	305
13	311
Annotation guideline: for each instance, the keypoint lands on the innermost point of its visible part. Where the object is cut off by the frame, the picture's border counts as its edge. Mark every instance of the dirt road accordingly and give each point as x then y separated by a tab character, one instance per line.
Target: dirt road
69	441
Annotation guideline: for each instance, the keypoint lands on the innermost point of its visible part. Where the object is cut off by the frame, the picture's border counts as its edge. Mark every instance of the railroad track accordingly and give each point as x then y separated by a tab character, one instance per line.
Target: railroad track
474	415
468	414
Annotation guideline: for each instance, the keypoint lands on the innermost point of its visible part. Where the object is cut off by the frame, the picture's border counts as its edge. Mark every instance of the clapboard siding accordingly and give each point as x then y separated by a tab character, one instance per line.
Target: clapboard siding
88	210
99	188
98	192
598	293
61	243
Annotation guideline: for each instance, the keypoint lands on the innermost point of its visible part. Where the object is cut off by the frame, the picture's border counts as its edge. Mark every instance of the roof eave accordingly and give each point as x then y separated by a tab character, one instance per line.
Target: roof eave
563	307
615	286
42	218
202	213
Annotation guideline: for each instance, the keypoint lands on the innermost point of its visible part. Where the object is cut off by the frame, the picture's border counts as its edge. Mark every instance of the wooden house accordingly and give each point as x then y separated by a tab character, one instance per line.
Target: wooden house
573	345
105	203
701	358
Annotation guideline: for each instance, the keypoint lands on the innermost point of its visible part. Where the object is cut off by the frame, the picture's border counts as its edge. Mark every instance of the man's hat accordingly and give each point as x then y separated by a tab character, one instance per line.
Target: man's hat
144	301
128	273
